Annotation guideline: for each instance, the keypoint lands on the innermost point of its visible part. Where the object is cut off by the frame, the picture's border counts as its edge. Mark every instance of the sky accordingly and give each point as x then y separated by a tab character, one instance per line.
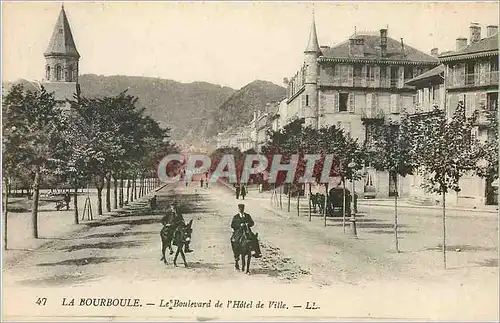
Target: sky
224	43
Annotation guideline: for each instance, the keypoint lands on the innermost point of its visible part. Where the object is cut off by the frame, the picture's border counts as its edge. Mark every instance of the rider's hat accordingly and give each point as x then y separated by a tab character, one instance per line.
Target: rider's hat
241	205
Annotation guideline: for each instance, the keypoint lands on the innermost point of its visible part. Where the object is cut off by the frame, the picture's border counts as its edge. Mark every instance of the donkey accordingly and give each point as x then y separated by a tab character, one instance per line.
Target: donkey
243	248
180	236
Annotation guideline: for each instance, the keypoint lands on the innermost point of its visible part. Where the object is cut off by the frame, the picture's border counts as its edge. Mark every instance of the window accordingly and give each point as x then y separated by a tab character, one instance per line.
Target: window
408	73
370	72
394	76
47	76
343	98
383	72
58	73
70	73
357	70
494	64
307	100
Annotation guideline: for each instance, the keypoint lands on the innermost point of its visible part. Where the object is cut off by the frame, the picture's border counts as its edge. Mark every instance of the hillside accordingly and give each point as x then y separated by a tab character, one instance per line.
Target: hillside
238	109
184	107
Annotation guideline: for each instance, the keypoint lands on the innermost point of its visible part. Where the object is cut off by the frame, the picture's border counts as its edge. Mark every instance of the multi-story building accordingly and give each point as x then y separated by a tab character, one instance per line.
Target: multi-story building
354	84
468	74
237	138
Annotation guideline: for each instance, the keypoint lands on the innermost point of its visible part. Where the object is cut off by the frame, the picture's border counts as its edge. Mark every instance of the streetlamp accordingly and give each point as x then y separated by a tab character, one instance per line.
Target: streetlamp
353	230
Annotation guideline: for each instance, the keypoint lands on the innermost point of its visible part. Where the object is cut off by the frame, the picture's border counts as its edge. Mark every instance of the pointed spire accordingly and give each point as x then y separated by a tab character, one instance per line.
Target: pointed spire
312	44
62	42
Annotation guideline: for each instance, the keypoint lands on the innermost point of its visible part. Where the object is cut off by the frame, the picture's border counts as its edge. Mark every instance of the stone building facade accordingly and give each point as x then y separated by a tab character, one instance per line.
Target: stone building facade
468	74
355	84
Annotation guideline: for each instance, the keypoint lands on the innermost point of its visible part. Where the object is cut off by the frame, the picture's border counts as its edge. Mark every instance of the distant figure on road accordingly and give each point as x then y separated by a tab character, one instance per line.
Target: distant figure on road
153	202
243	191
207	176
67	199
237	187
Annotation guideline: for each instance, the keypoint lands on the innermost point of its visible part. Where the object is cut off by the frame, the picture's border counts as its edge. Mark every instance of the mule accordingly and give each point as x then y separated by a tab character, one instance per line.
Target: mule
178	238
243	248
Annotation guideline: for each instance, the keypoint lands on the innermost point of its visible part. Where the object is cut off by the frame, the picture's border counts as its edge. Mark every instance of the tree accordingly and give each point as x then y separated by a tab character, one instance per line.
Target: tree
488	158
35	140
388	148
445	151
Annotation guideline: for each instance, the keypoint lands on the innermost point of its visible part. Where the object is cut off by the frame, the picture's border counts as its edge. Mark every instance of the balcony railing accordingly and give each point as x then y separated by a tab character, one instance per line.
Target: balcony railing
472	80
372	114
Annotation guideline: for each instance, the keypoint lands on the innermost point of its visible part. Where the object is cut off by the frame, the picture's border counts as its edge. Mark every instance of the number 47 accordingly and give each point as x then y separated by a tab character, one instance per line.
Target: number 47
41	301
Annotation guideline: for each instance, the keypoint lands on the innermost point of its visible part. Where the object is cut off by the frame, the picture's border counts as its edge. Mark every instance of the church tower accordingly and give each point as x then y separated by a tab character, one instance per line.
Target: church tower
61	60
311	55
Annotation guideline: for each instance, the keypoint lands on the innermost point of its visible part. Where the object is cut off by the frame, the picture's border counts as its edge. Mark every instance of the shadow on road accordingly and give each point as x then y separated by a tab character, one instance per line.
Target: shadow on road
203	265
59	280
488	263
463	248
102	245
391	231
79	262
119	234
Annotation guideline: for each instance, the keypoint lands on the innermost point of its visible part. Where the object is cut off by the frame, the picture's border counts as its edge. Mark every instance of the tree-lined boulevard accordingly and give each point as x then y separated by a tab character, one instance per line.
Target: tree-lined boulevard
118	256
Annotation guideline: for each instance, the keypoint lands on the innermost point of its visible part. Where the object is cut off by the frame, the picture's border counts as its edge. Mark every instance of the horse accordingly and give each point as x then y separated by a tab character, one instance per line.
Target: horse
180	236
318	200
243	248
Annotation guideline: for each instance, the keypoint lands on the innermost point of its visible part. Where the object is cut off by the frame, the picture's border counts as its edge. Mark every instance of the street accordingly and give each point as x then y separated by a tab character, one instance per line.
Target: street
302	262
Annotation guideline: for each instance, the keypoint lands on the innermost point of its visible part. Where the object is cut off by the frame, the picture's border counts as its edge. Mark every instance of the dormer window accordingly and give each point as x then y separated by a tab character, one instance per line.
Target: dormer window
58	73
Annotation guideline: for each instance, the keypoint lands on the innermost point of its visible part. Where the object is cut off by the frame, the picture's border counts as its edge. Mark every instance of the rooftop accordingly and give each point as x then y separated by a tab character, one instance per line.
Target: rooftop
487	44
62	42
435	72
372	42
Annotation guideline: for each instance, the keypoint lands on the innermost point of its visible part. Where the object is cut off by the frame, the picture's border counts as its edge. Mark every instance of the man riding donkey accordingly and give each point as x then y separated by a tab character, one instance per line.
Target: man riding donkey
241	224
171	221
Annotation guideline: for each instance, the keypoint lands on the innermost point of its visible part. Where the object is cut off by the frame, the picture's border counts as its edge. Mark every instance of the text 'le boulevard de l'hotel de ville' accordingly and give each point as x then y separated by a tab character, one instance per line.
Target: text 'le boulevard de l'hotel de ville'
367	78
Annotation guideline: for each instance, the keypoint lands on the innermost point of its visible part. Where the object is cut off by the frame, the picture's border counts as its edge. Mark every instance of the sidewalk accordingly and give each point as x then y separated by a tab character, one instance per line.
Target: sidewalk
389	202
54	225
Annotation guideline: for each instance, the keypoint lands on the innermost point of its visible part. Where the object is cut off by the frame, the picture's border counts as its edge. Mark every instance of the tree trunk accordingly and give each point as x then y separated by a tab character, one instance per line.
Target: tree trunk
343	204
298	203
115	193
326	203
444	229
134	187
108	193
281	203
310	195
34	208
121	193
289	195
396	221
75	204
5	212
128	191
99	186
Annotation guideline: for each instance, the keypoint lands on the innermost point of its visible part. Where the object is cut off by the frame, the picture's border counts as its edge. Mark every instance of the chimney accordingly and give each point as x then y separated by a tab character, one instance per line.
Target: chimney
383	42
491	30
357	47
461	43
286	81
403	52
435	52
475	33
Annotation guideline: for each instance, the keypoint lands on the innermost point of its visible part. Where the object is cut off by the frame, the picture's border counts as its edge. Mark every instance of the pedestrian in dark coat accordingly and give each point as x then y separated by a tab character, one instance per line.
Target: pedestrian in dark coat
237	187
67	199
243	191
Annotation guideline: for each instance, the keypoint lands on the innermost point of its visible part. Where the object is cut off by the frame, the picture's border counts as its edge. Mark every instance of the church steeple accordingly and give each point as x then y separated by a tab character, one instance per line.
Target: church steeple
61	55
312	44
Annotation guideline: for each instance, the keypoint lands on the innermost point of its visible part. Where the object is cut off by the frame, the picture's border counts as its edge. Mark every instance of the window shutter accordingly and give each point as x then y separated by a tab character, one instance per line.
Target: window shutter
369	107
401	72
364	75
461	75
375	108
336	102
337	77
303	106
482	100
376	73
351	103
349	75
321	103
394	102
